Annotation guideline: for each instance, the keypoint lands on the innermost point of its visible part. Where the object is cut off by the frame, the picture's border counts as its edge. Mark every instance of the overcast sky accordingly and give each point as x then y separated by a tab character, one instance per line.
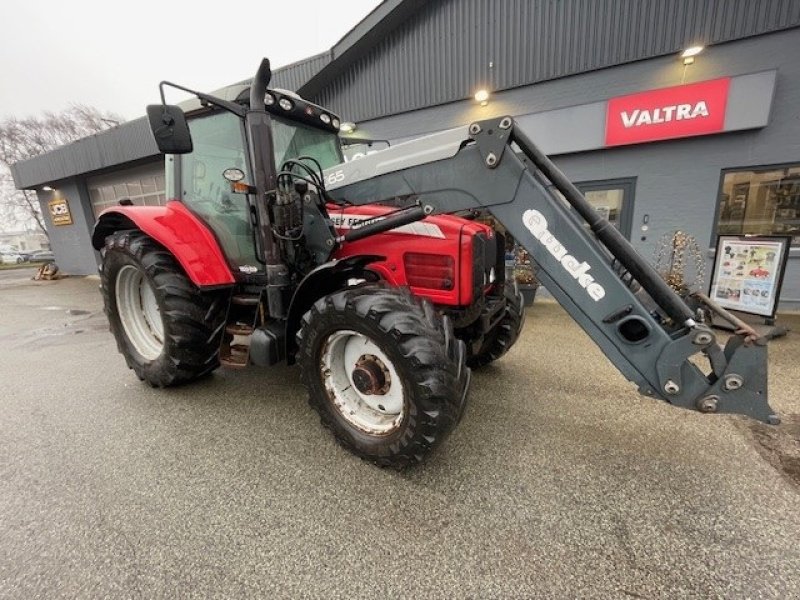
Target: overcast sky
112	54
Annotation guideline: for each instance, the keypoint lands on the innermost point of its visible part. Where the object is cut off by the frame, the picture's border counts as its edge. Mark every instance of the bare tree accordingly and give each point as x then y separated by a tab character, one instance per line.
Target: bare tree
21	139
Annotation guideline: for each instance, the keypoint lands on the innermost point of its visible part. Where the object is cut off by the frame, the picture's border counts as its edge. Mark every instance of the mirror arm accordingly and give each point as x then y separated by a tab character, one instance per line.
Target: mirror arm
236	109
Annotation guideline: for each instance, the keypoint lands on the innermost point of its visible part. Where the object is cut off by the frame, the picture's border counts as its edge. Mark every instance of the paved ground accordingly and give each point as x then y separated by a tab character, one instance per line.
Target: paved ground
560	482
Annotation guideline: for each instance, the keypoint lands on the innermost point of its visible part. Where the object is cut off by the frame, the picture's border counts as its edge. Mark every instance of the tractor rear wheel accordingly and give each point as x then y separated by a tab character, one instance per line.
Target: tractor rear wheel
498	340
168	331
384	371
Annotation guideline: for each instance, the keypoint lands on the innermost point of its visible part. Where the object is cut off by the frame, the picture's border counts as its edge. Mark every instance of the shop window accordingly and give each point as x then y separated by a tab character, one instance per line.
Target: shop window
760	201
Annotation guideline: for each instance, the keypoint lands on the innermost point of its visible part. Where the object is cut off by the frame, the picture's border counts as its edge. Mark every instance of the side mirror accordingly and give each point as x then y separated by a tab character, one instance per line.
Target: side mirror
170	129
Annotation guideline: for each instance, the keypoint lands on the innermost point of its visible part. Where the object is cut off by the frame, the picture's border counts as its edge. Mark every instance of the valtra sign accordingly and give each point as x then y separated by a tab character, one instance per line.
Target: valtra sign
673	112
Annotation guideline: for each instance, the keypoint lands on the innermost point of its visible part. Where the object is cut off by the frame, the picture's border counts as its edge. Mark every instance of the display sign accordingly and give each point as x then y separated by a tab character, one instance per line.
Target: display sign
667	113
748	272
59	211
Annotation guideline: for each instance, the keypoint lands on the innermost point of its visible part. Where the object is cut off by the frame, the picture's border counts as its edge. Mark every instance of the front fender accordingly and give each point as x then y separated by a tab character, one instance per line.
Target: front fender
323	280
179	231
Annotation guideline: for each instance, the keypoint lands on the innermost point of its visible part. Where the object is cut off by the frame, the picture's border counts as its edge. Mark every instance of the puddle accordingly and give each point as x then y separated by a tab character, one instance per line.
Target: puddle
84	322
780	445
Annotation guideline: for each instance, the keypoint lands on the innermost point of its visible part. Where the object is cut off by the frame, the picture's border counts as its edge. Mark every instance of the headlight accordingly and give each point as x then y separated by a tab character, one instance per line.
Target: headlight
269	99
335	122
325	118
285	104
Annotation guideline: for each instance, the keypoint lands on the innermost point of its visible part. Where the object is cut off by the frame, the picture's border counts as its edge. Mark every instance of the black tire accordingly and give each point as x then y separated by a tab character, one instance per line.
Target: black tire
421	347
504	334
193	321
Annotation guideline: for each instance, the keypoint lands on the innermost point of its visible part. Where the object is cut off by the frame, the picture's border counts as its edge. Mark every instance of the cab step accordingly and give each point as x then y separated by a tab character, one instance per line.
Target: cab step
239	328
235	356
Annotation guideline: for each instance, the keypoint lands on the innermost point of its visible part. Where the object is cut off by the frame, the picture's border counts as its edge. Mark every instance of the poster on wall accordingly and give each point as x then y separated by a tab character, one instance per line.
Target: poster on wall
59	211
748	272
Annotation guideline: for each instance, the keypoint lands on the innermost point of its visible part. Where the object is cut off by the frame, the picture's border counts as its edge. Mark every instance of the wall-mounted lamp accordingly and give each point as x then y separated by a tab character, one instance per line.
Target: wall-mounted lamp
482	96
347	127
47	188
689	54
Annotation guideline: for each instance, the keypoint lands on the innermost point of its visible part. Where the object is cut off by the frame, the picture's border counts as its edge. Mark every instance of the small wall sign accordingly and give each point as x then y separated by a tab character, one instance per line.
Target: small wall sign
59	211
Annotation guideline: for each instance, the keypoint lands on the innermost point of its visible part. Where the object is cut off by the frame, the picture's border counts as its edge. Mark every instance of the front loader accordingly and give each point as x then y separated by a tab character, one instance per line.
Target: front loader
375	277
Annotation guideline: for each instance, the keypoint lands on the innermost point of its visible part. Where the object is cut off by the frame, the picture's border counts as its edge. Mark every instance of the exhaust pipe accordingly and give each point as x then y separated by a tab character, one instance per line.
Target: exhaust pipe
259	87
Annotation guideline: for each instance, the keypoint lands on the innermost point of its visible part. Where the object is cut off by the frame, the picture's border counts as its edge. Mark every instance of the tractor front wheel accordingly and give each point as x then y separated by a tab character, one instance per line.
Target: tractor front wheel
168	331
497	341
384	371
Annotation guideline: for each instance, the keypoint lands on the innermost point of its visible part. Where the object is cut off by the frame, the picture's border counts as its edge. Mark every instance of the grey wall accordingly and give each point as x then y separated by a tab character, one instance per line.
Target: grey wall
71	243
677	181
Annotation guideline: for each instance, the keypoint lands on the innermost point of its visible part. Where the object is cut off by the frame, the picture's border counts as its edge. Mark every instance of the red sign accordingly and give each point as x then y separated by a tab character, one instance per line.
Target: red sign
673	112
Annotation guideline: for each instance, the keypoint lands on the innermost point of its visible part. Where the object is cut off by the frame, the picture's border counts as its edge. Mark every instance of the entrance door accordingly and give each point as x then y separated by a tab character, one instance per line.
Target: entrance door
613	199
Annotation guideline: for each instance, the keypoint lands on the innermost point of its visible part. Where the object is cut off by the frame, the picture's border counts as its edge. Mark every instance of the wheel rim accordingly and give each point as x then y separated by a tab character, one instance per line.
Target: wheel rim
362	383
139	313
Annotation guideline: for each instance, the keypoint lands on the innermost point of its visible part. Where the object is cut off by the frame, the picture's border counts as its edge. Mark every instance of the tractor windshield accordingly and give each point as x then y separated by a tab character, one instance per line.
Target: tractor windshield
292	139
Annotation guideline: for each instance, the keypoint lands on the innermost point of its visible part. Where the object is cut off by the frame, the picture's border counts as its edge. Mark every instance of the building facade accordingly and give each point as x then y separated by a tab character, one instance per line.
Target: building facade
708	148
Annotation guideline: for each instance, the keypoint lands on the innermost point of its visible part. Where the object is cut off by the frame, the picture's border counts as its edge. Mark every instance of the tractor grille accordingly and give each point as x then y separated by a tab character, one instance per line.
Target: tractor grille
486	267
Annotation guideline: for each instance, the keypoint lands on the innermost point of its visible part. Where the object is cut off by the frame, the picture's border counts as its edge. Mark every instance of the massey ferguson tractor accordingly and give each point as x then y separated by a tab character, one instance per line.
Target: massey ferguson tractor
374	276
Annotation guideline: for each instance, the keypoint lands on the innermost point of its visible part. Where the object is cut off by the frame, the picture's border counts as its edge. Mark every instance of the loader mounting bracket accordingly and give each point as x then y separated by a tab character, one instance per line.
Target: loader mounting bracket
492	138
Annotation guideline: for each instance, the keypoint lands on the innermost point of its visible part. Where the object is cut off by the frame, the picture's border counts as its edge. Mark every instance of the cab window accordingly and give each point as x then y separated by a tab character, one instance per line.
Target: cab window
219	144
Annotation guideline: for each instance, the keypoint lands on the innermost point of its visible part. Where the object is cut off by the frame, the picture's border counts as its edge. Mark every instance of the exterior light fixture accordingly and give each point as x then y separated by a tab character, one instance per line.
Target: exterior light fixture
689	54
47	188
482	96
347	127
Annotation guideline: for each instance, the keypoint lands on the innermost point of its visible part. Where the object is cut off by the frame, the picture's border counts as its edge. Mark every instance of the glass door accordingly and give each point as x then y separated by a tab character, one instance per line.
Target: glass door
613	199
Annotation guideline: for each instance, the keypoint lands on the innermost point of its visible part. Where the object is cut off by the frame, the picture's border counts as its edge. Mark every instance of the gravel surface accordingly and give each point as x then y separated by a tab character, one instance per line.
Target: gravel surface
561	481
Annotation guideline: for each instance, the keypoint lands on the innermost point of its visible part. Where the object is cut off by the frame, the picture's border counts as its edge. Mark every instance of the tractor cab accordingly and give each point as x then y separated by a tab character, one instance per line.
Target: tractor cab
202	179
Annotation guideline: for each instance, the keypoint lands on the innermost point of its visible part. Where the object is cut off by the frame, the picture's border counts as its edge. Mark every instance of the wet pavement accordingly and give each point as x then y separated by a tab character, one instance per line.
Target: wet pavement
561	481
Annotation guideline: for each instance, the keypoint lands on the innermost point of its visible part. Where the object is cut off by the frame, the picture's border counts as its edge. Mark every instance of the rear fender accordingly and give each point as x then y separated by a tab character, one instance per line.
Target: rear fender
179	231
325	279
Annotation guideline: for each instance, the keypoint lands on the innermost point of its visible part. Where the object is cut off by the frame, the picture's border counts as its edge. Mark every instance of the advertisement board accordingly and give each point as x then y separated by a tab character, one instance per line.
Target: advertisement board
748	272
667	113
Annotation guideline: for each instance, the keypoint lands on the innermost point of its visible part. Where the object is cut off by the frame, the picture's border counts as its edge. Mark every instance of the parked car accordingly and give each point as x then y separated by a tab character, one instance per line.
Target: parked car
11	258
42	256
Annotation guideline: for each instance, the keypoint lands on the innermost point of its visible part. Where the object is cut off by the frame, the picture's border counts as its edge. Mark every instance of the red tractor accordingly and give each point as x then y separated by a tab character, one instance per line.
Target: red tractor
272	248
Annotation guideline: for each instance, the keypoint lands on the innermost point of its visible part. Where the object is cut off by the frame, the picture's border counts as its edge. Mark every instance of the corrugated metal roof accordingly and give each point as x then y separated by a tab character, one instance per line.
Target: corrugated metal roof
127	143
292	77
449	48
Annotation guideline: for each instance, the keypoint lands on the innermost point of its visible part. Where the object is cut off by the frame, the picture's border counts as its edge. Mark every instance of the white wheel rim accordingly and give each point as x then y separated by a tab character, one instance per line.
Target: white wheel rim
376	411
139	313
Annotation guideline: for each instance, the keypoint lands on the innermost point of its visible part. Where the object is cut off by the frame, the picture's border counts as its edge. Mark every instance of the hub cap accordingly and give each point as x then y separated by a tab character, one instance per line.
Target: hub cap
362	383
139	313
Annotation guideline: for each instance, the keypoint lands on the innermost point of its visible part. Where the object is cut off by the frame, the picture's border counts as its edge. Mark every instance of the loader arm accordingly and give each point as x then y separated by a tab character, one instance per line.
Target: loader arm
644	328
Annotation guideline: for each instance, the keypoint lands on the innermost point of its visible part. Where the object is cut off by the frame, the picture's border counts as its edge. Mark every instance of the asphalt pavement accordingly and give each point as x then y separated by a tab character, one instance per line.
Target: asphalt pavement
560	482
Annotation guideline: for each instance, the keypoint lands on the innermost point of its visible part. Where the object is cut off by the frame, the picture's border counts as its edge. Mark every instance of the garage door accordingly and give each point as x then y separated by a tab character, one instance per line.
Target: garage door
143	186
